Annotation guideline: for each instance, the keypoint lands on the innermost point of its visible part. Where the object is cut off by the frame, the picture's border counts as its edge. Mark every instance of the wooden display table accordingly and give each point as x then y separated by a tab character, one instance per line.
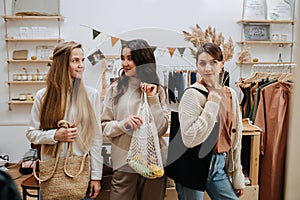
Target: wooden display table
254	132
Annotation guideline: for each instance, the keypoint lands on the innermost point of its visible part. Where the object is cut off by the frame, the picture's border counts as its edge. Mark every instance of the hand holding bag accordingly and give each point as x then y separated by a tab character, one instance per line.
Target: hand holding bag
144	154
64	178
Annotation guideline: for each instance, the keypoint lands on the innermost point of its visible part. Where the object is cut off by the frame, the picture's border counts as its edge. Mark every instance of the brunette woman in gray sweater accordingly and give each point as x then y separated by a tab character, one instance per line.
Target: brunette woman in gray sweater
119	119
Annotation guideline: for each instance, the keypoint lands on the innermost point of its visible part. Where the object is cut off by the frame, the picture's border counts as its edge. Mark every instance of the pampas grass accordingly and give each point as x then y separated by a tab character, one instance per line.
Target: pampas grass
198	37
244	56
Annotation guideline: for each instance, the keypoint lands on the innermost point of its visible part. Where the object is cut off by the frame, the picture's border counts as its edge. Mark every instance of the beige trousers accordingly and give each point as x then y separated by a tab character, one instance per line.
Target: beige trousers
133	186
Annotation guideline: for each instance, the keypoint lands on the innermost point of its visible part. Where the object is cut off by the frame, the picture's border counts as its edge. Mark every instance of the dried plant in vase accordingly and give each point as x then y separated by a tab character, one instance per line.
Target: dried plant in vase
198	37
24	76
39	75
25	70
244	56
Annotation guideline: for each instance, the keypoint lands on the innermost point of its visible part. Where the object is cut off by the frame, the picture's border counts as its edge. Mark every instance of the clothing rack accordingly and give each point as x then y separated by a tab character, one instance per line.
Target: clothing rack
179	69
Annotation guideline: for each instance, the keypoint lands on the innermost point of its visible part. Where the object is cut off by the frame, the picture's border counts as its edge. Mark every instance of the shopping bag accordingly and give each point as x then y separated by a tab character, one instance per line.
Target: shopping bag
144	154
64	177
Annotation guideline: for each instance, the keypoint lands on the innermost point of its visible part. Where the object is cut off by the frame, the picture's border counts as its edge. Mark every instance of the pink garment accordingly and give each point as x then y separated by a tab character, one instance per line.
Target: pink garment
273	118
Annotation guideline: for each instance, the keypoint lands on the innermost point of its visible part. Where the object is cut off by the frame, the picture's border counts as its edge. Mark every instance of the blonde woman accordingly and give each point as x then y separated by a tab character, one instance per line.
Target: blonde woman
66	98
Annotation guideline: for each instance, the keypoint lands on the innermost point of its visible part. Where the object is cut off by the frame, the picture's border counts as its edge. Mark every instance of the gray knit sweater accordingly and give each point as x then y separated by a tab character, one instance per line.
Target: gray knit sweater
113	119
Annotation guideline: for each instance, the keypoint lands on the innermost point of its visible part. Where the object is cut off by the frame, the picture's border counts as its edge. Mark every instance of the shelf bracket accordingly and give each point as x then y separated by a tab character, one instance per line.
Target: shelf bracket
9	107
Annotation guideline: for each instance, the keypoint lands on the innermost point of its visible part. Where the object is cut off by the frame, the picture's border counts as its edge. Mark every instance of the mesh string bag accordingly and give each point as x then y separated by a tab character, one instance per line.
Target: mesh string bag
144	153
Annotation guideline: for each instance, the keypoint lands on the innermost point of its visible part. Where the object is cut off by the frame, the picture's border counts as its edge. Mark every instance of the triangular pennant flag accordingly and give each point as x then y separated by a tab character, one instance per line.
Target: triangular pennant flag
153	48
95	33
114	40
102	39
171	51
161	52
181	50
123	42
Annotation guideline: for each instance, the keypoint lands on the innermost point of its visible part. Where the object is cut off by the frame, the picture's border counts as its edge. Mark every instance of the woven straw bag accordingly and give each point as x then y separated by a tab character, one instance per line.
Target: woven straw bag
64	178
144	154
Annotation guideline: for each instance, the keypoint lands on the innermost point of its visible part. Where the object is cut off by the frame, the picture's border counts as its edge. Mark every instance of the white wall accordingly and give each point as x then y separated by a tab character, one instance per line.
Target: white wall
293	159
159	22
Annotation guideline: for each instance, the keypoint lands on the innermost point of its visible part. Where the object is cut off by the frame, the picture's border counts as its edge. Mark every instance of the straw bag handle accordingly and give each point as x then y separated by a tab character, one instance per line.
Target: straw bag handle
66	124
55	152
69	154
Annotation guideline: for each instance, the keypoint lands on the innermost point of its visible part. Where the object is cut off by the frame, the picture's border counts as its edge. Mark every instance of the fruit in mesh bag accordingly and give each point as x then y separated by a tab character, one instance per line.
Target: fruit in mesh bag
139	167
157	170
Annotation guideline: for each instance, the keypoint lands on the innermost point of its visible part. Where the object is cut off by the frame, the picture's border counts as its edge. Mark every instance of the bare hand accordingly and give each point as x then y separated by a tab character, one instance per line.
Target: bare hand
214	97
150	89
95	187
133	122
66	134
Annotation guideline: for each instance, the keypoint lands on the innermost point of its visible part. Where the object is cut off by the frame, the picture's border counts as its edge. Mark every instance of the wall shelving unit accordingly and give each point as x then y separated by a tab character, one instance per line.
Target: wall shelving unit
286	27
42	30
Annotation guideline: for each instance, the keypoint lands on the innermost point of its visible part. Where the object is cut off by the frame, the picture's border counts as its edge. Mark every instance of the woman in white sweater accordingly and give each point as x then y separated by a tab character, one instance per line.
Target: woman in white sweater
119	119
66	98
198	115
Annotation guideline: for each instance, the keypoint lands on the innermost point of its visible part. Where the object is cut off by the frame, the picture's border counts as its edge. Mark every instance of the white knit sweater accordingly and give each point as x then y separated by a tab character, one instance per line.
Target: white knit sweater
37	136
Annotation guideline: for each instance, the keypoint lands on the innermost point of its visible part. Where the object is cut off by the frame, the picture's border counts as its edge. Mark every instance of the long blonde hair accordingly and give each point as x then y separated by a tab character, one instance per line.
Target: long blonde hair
60	87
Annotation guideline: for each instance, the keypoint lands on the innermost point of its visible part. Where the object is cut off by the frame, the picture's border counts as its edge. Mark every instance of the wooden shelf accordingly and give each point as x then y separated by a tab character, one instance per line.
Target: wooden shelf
265	42
16	27
250	21
20	102
39	17
25	82
112	57
264	63
29	61
33	39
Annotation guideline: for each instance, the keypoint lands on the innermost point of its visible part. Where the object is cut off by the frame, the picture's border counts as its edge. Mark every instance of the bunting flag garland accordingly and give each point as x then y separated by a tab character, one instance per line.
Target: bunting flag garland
181	51
123	42
98	55
95	33
153	48
171	51
114	40
161	52
104	37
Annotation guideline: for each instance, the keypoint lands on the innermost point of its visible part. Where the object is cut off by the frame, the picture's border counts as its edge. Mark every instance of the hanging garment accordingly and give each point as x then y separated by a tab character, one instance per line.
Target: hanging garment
273	118
193	77
176	84
226	79
261	85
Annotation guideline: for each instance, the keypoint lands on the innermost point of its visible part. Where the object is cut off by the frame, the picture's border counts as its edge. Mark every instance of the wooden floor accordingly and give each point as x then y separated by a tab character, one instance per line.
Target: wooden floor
13	171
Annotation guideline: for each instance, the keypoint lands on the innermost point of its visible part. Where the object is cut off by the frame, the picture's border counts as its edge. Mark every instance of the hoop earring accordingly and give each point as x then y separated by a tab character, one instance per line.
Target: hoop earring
121	72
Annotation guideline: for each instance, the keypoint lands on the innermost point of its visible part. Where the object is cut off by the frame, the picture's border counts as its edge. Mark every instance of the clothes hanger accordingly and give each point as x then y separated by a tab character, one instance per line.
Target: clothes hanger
255	77
288	77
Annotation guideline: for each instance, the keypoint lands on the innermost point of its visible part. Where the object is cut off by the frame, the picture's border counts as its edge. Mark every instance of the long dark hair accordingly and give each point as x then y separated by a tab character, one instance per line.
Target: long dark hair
144	59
